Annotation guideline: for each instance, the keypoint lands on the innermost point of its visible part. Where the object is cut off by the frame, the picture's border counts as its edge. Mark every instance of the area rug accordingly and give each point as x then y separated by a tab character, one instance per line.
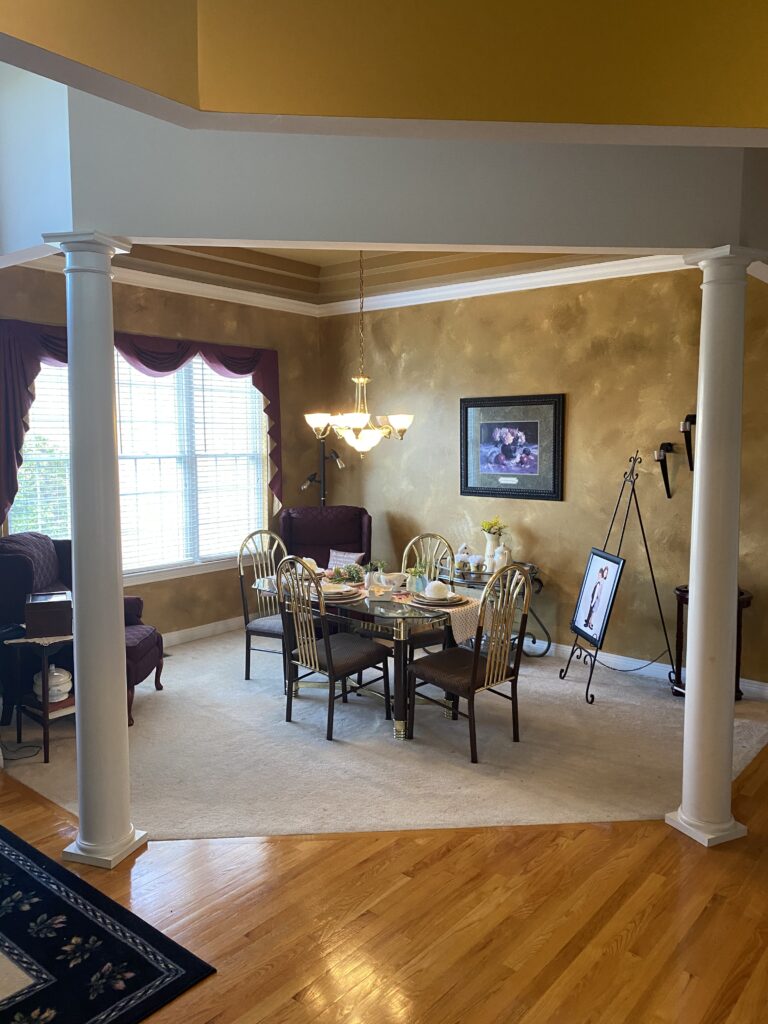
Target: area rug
211	755
69	955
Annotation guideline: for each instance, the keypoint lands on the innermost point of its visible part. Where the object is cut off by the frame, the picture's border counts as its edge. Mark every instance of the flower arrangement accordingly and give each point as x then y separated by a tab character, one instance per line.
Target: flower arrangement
375	565
494	526
419	569
352	573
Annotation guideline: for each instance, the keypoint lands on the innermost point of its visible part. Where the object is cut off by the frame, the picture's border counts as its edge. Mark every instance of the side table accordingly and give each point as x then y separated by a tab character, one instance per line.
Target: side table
676	677
41	711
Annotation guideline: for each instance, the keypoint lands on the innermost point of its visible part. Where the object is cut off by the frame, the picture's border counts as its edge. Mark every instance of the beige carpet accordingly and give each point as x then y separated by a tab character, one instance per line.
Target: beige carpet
212	755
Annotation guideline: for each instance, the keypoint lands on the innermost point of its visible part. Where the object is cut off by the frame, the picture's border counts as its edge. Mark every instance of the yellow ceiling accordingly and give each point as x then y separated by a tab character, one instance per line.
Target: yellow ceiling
649	62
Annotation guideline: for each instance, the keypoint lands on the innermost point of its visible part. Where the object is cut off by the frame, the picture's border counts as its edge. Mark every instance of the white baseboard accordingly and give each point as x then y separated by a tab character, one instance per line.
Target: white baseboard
184	636
658	671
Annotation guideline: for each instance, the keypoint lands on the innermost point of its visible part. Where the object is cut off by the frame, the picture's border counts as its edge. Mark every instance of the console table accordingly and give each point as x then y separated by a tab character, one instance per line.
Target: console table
478	580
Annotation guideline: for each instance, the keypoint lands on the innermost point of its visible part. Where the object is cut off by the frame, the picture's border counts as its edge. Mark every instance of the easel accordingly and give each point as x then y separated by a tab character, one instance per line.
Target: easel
628	494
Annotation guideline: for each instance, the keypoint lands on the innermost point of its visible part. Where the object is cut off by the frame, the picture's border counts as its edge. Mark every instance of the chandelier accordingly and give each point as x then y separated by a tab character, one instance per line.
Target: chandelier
357	428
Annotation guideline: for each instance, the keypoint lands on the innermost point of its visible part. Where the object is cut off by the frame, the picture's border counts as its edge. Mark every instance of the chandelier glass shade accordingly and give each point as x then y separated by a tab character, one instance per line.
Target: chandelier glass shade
358	428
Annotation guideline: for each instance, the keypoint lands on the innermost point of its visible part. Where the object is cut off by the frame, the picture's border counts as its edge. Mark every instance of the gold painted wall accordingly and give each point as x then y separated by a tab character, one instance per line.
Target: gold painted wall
37	295
496	60
625	354
151	44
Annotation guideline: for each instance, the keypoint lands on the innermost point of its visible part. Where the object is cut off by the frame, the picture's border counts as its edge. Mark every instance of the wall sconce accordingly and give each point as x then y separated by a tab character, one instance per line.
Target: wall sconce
665	448
685	430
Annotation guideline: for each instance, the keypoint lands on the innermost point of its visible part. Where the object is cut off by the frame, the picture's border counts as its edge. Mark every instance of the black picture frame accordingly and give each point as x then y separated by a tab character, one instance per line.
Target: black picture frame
593	612
512	447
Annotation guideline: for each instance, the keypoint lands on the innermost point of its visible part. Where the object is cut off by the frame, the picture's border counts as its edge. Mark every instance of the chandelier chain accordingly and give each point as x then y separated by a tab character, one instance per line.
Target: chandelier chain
361	325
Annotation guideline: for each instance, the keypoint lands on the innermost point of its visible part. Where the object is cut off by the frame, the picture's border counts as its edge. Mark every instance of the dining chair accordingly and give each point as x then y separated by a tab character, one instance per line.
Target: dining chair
461	672
337	656
257	562
435	553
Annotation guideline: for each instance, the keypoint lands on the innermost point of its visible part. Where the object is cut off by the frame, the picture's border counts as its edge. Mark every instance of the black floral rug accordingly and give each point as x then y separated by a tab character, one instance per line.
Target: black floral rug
70	955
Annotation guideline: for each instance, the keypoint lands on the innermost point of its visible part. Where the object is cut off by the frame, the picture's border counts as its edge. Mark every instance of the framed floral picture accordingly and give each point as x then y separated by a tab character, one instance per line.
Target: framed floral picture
513	447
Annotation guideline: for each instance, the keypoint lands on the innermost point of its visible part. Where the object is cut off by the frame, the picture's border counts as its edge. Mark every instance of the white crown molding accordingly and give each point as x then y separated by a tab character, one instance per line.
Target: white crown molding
552	278
525	281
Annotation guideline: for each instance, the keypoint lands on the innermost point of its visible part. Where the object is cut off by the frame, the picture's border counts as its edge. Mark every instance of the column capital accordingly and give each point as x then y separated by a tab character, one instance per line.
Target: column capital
731	253
87	241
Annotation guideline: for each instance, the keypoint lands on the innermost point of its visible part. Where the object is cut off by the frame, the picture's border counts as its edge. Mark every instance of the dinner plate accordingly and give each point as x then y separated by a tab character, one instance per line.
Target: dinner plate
440	602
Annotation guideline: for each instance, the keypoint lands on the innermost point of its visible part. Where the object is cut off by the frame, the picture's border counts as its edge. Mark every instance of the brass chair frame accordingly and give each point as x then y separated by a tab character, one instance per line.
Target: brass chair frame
260	552
296	586
503	617
433	551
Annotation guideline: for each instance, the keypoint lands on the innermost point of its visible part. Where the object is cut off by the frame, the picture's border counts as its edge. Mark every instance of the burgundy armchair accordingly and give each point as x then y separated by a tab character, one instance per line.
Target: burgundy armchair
31	563
311	532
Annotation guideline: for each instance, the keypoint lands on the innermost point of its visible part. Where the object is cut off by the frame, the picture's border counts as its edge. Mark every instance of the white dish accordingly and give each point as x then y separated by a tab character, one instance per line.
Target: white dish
439	602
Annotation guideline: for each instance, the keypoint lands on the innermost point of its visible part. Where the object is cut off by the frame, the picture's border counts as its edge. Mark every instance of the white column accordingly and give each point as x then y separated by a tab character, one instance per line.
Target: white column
705	811
106	834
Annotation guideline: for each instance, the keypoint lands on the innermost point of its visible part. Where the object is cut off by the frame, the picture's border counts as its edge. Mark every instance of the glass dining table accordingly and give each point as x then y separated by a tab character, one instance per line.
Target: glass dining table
396	621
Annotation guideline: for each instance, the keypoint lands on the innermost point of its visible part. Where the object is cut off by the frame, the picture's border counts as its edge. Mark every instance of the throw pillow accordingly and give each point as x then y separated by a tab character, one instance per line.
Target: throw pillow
338	559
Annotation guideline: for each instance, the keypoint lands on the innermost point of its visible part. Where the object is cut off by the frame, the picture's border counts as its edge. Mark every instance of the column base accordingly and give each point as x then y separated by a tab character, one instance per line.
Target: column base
705	833
75	852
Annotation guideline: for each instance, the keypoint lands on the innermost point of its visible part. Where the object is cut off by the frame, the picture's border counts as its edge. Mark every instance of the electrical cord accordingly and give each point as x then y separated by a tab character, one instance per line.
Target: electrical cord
637	668
17	754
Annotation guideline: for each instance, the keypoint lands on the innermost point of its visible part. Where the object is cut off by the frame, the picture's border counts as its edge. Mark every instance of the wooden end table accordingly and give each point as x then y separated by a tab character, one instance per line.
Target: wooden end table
676	677
41	711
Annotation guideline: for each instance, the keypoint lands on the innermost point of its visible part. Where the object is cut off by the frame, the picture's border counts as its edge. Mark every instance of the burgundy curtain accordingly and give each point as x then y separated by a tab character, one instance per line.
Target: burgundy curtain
24	346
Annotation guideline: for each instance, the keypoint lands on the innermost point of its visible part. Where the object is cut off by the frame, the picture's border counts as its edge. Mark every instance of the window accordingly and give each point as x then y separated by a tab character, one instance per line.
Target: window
193	461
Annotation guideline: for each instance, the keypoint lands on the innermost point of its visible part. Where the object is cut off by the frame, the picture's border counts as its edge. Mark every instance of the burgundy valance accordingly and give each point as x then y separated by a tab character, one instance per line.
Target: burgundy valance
24	346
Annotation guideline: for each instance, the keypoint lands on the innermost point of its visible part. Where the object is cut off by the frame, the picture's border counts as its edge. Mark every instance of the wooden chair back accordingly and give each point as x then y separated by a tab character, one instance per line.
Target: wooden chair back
257	559
503	617
434	552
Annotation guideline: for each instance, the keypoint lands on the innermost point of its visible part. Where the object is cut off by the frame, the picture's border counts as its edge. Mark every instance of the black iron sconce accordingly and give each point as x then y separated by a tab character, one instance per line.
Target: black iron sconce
665	448
685	429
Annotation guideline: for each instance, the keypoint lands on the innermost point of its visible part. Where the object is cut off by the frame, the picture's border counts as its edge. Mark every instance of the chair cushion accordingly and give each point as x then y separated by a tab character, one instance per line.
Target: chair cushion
350	653
40	551
427	637
268	625
451	670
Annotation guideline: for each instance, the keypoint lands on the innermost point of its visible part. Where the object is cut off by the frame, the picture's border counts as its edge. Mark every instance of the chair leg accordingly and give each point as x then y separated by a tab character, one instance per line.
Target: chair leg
290	670
130	705
387	696
247	656
515	716
331	705
18	723
472	734
344	690
158	673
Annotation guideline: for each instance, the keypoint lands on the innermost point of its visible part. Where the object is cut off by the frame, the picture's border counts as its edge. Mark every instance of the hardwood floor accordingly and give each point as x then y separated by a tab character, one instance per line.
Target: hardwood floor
627	923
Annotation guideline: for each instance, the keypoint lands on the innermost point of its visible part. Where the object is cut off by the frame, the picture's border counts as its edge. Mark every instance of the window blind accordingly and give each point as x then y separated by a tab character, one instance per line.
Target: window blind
193	463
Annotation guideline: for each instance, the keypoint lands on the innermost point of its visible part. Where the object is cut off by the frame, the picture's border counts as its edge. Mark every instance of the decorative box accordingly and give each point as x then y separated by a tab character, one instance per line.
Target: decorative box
49	614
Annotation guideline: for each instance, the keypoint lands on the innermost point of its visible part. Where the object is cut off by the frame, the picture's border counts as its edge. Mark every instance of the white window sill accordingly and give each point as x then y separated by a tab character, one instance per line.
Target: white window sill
174	572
